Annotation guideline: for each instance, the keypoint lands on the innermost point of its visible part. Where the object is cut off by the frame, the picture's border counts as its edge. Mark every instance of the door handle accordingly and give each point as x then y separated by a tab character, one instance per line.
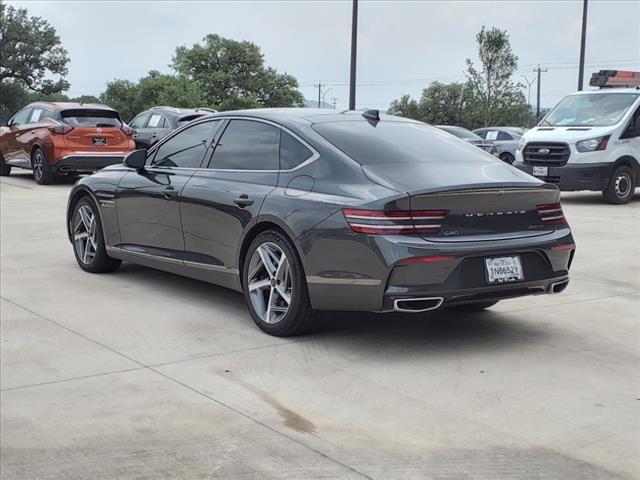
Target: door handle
154	134
243	201
169	192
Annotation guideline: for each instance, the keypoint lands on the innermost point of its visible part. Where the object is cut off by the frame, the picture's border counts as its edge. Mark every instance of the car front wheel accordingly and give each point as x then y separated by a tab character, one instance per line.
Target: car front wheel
275	287
621	186
88	239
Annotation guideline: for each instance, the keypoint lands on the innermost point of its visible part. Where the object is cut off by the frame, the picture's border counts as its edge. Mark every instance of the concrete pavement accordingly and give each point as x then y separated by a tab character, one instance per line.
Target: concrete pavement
143	374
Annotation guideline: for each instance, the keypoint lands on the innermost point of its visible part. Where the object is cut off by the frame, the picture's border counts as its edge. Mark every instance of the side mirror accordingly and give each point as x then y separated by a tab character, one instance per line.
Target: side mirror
136	159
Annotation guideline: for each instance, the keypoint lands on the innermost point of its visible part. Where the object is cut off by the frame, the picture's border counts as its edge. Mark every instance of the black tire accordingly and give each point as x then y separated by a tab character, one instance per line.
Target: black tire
300	317
42	172
5	169
507	158
621	186
476	307
100	262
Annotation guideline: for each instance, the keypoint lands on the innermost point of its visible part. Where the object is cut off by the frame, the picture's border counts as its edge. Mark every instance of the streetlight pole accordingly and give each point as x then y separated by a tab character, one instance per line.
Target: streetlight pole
354	48
529	83
583	41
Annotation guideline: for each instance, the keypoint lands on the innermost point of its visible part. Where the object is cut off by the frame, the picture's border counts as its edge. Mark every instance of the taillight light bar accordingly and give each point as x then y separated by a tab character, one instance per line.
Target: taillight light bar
60	129
551	214
395	222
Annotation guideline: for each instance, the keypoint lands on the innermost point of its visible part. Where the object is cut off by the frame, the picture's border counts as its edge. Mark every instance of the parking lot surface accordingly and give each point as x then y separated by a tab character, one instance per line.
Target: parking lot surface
143	374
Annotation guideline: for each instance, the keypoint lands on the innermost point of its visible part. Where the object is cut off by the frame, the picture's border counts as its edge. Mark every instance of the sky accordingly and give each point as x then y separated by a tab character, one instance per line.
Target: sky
402	45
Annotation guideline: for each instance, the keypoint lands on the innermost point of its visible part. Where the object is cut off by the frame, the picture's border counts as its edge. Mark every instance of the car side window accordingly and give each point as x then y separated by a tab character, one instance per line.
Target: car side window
247	145
292	152
504	136
36	115
139	121
633	130
482	133
491	135
21	117
187	148
156	121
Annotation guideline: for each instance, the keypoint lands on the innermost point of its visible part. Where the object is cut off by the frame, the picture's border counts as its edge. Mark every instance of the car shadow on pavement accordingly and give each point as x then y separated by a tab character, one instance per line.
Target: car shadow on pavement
363	331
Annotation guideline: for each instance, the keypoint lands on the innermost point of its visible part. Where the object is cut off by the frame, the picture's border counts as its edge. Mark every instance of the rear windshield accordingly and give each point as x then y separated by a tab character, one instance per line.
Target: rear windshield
91	118
384	143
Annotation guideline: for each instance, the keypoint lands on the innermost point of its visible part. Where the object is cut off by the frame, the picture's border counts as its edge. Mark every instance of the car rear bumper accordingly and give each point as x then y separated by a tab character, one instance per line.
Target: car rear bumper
86	162
370	272
574	176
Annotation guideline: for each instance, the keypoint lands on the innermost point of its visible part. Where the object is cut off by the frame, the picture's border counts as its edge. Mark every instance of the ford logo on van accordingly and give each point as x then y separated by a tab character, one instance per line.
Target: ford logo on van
544	151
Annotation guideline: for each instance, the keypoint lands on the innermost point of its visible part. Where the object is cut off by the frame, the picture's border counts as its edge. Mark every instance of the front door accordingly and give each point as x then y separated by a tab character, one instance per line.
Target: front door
18	135
148	201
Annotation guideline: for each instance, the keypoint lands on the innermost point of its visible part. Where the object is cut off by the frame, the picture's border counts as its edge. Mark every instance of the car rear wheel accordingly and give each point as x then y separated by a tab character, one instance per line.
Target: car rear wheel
5	169
507	158
476	307
275	287
621	186
88	239
42	173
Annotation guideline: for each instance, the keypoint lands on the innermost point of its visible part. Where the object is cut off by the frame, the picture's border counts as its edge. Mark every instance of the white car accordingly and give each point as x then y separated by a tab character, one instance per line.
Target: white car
589	141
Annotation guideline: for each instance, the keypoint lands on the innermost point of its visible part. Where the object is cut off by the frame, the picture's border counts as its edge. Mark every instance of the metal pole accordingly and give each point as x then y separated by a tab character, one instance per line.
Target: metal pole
582	45
354	48
319	92
538	96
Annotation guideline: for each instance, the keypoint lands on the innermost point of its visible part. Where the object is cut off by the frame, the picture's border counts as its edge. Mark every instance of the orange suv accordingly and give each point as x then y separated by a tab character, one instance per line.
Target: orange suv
63	139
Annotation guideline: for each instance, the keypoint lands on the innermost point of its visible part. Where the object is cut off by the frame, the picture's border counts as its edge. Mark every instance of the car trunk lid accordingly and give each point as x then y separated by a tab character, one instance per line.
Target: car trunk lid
95	129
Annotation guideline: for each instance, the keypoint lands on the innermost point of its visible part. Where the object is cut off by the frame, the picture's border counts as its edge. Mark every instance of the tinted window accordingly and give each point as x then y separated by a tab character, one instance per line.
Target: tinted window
504	136
461	133
247	145
139	121
292	152
187	148
156	121
91	118
481	133
21	117
389	141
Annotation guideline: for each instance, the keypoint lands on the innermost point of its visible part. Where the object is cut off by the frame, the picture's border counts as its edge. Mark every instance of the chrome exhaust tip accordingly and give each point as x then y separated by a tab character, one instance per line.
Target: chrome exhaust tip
417	305
558	287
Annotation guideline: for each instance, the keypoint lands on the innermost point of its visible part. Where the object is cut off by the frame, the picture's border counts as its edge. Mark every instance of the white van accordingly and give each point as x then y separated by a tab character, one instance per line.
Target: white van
589	141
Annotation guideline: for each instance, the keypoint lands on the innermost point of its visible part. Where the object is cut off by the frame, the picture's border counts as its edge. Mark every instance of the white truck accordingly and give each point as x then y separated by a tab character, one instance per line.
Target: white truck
590	140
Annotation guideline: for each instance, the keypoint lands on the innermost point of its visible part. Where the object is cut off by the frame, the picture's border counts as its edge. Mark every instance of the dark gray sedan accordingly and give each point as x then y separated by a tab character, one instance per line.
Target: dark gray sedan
309	210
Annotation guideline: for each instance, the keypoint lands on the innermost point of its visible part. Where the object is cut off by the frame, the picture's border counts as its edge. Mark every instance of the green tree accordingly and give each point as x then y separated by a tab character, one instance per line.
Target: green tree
123	96
447	104
492	87
30	52
232	73
406	107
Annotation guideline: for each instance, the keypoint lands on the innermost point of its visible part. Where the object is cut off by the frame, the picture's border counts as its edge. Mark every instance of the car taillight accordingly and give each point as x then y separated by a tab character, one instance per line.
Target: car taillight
395	222
127	130
61	129
551	214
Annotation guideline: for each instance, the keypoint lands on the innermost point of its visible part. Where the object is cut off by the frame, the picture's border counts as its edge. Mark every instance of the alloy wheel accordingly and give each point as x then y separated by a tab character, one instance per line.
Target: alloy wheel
623	185
84	234
38	166
269	282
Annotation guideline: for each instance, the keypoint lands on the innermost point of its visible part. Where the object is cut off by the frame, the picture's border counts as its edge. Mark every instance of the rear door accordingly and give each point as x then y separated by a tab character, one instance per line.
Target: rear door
95	131
148	201
220	201
156	128
138	124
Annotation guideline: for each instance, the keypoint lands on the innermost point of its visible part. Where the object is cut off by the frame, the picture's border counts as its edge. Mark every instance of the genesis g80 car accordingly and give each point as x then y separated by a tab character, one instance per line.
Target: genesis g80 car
309	210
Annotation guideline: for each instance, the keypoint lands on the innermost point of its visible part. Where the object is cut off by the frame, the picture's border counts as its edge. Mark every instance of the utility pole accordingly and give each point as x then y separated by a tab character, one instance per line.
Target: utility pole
334	100
529	83
354	48
583	41
319	85
540	71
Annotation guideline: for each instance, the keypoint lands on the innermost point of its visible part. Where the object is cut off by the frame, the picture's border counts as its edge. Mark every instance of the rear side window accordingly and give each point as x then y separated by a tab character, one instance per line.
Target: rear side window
36	115
91	118
247	145
387	142
187	148
139	121
292	152
156	121
504	136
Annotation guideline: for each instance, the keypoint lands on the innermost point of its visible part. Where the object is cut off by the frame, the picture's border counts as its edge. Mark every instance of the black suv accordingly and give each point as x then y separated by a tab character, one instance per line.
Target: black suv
157	122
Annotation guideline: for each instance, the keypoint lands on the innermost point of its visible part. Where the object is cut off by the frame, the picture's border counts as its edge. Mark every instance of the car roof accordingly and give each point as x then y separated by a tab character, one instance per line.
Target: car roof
608	90
70	105
305	116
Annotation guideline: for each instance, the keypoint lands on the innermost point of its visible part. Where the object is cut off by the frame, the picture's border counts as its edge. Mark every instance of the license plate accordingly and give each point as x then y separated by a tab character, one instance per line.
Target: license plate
503	269
99	141
540	171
